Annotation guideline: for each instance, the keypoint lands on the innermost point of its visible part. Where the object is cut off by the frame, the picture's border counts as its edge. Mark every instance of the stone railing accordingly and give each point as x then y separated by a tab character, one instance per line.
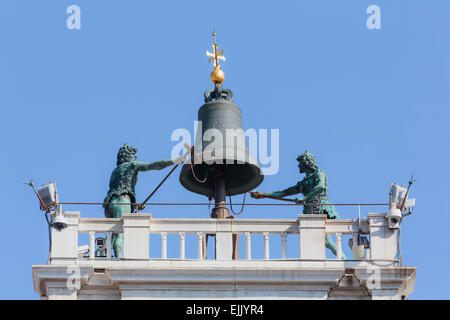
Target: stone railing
137	228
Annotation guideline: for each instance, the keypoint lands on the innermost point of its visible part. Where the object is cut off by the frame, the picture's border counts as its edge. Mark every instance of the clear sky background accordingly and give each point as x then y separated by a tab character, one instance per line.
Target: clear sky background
372	105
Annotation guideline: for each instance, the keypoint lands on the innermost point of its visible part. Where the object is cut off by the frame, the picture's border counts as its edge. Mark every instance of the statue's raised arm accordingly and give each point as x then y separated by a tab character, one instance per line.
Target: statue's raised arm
280	193
121	197
156	165
161	164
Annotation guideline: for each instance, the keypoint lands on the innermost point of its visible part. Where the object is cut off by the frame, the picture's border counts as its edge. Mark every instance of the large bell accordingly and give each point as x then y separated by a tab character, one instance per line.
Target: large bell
227	167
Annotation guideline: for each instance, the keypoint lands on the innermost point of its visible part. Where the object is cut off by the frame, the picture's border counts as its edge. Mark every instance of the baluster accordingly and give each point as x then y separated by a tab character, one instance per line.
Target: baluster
266	245
182	245
163	245
248	237
91	244
283	244
108	245
338	246
200	245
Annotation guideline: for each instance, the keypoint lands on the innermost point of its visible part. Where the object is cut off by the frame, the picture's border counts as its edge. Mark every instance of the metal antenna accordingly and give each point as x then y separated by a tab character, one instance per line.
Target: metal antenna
410	182
31	184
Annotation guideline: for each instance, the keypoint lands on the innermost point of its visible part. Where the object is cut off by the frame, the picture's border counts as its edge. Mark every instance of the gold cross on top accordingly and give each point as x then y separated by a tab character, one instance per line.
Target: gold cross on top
215	56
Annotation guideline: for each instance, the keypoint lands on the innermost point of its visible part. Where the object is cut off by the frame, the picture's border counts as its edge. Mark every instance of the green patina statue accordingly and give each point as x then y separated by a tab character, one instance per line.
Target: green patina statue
314	187
121	192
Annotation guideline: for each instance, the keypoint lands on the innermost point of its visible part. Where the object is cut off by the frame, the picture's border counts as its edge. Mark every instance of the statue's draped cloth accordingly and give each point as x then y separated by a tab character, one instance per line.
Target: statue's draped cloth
123	181
307	185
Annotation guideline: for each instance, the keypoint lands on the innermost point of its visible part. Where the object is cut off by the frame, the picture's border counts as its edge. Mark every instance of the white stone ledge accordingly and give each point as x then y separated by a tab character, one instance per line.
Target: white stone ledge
286	280
260	263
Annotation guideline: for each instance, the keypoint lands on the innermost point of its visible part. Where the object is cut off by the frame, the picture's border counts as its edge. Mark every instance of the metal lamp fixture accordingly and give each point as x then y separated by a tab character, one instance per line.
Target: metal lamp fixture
59	222
48	196
398	202
48	200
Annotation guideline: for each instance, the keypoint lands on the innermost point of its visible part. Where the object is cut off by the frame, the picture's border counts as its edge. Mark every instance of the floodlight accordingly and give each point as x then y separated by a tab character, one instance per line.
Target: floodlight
101	247
49	196
100	242
399	195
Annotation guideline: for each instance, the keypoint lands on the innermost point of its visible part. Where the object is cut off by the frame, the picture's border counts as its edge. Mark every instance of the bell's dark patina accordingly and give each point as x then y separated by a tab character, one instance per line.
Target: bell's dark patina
242	172
226	166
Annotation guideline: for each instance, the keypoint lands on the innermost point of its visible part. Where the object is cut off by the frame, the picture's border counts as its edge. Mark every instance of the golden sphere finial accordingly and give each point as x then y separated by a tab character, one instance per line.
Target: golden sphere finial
217	75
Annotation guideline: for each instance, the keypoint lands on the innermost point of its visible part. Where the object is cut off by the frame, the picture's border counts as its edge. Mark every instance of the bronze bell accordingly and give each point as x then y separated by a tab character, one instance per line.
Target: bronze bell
227	167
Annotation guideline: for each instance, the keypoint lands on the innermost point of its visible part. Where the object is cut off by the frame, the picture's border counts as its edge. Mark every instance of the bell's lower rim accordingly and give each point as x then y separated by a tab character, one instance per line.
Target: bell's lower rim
240	178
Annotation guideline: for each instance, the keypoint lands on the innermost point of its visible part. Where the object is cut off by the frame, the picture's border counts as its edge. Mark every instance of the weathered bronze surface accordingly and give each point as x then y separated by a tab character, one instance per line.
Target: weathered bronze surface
241	176
314	187
122	184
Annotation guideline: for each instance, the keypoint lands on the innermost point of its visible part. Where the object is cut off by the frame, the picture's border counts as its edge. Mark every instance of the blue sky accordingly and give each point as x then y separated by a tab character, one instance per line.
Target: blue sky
372	105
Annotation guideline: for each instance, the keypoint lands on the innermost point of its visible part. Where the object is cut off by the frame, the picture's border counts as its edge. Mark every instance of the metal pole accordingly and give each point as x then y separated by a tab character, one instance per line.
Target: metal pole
220	210
359	225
